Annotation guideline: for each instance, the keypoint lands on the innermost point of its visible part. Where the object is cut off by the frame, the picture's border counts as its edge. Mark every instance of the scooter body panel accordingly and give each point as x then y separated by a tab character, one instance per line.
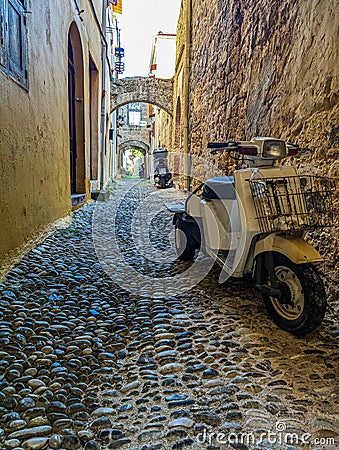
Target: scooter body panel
221	223
193	206
244	258
231	225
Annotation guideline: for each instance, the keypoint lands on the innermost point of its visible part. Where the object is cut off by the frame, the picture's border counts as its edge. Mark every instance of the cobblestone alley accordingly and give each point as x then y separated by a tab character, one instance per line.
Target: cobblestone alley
102	347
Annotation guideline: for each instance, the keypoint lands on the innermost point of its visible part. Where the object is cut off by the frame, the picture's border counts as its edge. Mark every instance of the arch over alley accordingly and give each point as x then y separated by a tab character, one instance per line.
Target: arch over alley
134	144
144	90
129	144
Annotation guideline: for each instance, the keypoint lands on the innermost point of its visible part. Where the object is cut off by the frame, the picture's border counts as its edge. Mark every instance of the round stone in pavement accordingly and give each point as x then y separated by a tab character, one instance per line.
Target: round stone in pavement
209	417
35	443
101	423
71	442
80	355
181	422
11	443
92	445
55	441
99	412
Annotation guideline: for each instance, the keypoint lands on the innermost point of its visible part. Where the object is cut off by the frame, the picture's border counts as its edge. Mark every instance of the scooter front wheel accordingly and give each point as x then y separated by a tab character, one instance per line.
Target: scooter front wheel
184	247
302	305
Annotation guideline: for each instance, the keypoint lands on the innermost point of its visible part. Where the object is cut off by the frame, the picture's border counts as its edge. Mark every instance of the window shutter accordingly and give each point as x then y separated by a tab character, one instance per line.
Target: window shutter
3	39
14	38
17	38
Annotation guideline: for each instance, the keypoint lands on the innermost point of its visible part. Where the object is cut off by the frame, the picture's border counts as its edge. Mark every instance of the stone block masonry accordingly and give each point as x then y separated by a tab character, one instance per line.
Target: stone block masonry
145	90
268	68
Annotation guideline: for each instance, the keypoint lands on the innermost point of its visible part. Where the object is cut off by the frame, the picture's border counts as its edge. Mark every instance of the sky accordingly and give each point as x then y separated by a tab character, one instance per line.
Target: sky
139	23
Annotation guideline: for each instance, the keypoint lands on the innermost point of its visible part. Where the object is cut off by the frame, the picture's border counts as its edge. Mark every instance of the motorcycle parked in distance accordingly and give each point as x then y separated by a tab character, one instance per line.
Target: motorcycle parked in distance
162	175
253	224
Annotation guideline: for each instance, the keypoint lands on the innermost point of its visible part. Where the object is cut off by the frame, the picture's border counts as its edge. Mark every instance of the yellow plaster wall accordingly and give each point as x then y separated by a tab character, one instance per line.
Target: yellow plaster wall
34	126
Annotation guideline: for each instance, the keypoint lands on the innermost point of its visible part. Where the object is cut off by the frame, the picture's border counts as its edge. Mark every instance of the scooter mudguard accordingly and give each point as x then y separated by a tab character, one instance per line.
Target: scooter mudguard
293	247
189	226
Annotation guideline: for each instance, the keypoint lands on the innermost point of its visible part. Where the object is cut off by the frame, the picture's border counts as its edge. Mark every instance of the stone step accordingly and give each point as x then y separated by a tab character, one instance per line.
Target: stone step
78	199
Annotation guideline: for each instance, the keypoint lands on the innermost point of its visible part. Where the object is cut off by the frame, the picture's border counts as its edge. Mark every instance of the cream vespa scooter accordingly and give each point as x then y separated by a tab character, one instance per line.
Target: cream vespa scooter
254	224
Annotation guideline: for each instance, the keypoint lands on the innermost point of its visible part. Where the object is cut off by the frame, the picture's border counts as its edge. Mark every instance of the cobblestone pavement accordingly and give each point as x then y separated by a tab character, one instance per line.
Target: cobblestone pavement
87	364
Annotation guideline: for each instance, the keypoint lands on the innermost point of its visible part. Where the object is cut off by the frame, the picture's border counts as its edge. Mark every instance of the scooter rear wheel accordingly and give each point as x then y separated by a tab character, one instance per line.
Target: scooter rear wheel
302	305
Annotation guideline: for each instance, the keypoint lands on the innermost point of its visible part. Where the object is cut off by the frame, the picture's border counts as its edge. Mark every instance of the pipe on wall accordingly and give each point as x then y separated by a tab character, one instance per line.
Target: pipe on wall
100	29
103	99
188	9
104	58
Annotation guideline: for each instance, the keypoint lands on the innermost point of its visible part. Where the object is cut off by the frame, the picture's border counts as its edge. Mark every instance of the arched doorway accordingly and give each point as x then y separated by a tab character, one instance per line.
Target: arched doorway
76	111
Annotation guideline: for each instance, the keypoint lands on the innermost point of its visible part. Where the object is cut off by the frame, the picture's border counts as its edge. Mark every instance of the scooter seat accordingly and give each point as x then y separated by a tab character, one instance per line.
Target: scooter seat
219	188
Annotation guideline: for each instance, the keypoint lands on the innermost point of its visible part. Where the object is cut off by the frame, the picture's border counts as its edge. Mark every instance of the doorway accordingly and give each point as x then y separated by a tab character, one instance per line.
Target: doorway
76	111
94	118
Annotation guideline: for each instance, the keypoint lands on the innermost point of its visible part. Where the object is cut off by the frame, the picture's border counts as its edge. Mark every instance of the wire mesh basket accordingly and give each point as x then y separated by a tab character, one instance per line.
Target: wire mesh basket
294	203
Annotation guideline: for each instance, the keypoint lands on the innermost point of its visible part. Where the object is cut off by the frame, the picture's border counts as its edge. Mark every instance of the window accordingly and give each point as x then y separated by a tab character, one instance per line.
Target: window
134	114
13	40
134	117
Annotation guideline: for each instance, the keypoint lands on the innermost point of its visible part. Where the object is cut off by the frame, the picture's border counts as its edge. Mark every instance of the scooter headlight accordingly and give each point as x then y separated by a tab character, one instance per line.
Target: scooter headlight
274	149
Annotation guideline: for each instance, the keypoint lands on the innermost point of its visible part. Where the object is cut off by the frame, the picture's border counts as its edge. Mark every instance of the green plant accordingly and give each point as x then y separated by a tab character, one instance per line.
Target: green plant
137	153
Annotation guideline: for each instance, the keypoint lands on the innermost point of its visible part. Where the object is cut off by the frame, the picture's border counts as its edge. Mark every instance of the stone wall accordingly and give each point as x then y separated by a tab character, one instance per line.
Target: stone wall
264	68
268	68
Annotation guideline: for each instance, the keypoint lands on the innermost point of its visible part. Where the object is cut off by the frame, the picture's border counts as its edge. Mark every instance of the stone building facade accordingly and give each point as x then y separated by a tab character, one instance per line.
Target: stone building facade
162	129
51	89
132	131
265	68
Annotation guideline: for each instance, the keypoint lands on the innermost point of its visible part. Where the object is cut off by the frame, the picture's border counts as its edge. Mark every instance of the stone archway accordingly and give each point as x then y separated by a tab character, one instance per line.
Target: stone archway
134	143
144	90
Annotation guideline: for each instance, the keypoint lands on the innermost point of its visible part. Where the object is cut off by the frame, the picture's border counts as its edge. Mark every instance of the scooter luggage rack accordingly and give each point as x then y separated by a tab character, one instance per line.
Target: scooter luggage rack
293	204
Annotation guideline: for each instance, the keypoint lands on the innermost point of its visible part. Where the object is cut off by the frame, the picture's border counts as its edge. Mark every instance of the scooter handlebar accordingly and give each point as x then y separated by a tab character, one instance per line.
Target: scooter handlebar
229	145
217	145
